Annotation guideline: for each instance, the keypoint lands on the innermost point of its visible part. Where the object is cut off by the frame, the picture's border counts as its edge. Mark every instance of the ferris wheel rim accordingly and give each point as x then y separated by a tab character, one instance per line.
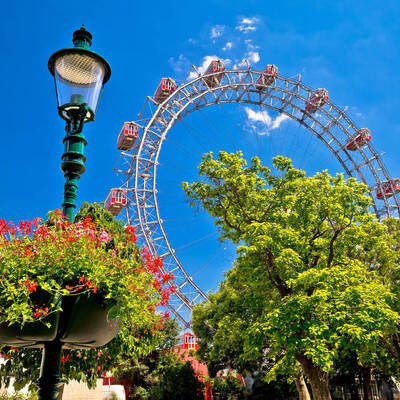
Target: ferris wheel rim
174	107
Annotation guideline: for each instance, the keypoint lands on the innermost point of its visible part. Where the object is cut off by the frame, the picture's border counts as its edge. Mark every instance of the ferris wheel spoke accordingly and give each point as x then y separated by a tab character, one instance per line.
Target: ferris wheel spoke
209	261
217	130
194	242
196	135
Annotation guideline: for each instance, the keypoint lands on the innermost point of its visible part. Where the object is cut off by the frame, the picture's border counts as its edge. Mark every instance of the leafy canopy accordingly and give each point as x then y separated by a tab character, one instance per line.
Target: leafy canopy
304	286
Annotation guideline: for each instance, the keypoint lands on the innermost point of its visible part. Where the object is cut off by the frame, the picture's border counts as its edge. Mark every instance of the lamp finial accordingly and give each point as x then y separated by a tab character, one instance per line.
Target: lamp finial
82	38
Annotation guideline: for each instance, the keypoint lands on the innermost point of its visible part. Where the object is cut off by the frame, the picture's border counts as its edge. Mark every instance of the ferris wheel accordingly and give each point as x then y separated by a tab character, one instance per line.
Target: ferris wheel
140	144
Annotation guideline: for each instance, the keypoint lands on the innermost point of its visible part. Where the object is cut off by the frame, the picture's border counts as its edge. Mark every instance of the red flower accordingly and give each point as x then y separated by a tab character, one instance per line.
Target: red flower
4	226
41	232
40	312
30	285
36	222
24	227
167	277
65	358
87	223
131	234
90	285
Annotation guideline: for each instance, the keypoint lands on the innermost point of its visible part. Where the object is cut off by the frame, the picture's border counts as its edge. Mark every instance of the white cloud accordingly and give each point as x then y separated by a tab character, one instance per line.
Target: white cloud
258	116
204	65
253	56
245	29
276	123
217	31
250	45
179	65
249	21
227	46
354	110
247	24
262	123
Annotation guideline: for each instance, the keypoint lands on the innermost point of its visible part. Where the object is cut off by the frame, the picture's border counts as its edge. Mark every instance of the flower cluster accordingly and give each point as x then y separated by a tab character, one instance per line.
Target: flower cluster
41	312
30	285
131	234
154	265
43	261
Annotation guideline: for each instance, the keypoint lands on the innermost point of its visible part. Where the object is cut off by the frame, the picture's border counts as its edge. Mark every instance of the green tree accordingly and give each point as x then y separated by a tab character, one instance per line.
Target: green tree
177	380
141	374
300	291
280	389
227	388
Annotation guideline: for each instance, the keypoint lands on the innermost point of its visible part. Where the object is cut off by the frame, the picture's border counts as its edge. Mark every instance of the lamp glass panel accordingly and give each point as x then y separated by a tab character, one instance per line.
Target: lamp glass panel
79	79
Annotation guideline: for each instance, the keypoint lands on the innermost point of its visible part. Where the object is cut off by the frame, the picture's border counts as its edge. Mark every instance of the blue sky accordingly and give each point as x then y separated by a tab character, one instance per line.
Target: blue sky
349	47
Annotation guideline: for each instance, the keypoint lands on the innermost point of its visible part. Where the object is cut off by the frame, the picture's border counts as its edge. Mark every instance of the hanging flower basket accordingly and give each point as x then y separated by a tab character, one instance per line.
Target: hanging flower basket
90	322
32	334
101	279
86	322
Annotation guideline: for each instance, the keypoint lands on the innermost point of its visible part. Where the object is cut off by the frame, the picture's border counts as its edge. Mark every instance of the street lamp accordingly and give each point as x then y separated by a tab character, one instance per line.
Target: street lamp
79	76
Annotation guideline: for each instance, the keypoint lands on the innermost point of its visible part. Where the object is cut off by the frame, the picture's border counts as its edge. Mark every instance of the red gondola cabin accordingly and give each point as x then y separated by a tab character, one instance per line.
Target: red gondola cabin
318	99
267	77
128	135
389	188
187	341
217	68
165	88
116	201
362	137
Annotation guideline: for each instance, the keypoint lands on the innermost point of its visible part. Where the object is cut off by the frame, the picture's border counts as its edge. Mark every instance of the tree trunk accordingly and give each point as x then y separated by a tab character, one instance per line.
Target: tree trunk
301	387
367	383
353	387
318	379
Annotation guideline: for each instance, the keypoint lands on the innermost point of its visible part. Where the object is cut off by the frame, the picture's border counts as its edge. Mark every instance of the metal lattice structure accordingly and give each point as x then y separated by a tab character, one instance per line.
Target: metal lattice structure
138	167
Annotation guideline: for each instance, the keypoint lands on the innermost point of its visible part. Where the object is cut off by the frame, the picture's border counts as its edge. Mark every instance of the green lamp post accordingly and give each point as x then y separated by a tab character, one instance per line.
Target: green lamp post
79	76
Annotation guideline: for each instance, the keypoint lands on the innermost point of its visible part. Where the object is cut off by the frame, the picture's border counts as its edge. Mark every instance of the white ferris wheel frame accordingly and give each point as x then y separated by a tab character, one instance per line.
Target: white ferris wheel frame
139	166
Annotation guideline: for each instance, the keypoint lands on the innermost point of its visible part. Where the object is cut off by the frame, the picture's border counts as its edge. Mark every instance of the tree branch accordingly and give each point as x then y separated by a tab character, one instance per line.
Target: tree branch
332	241
244	213
274	278
236	228
390	350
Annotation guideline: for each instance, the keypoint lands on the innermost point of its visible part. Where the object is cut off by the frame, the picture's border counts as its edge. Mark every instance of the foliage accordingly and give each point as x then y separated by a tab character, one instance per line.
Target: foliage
140	374
301	290
178	380
42	262
17	396
280	389
227	388
87	365
381	253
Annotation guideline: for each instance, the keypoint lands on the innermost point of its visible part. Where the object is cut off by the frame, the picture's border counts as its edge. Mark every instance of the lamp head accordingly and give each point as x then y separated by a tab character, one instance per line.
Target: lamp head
79	75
